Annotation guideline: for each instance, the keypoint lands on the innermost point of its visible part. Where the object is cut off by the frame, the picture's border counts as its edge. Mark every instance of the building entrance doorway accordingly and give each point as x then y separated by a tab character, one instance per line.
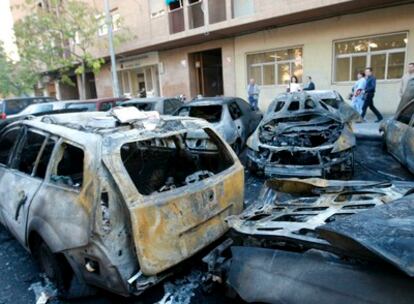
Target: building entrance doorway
208	70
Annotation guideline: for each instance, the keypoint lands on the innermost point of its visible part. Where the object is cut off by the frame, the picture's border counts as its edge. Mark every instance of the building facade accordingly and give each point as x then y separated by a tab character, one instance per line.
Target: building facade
212	47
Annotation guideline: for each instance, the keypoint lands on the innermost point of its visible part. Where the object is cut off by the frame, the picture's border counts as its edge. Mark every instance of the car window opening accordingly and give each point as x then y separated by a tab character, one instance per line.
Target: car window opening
163	164
26	160
294	106
279	106
7	143
70	168
210	113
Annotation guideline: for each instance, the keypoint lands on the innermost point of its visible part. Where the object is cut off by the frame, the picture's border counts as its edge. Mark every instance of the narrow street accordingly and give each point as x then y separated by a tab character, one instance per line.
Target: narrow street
20	278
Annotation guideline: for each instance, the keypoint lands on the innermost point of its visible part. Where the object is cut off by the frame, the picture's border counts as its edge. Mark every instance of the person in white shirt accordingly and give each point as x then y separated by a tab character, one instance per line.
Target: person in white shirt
294	86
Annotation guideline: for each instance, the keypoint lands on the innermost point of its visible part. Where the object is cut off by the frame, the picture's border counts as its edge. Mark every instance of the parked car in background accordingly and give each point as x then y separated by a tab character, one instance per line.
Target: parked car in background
38	108
114	207
303	136
98	104
13	106
232	117
398	132
163	105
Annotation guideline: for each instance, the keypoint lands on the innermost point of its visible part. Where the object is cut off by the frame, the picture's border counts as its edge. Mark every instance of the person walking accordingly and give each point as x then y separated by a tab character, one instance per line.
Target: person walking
358	91
294	86
370	87
310	85
253	92
404	83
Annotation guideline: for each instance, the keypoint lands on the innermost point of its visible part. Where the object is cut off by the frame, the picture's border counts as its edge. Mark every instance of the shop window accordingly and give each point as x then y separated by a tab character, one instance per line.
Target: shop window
275	67
385	54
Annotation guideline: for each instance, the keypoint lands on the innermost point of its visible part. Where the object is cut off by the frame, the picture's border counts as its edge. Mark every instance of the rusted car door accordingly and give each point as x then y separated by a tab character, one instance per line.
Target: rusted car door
22	179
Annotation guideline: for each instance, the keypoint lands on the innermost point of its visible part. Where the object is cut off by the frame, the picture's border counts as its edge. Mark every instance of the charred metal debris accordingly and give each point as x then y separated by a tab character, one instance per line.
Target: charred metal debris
321	240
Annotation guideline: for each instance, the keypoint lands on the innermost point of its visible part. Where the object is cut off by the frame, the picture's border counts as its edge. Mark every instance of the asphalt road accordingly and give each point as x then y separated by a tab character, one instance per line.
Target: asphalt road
20	278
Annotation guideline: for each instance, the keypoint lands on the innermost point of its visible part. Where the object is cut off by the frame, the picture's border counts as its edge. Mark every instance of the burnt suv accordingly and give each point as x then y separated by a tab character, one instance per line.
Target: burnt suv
304	135
112	204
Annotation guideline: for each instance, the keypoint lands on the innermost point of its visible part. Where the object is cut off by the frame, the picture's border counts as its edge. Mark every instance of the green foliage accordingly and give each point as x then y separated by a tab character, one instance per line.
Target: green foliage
16	78
61	37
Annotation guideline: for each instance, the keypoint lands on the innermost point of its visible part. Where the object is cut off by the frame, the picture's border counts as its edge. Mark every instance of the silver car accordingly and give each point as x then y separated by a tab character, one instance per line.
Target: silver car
163	105
232	117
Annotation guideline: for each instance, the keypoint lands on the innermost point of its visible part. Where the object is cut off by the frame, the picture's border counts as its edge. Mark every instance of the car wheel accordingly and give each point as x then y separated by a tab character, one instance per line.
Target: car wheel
60	273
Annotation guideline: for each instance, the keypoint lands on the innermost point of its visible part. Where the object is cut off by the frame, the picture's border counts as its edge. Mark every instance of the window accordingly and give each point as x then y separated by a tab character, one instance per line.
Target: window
385	54
210	113
275	67
279	106
157	7
7	143
27	157
105	106
294	106
235	111
69	171
103	27
174	4
164	164
169	106
45	158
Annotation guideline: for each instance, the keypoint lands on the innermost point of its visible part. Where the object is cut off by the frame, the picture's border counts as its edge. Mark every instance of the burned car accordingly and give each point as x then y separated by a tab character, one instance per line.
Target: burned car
115	200
232	117
303	136
398	132
326	241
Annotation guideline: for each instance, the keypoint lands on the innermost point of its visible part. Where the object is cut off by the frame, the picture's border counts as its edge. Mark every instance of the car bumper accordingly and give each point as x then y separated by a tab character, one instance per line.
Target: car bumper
336	163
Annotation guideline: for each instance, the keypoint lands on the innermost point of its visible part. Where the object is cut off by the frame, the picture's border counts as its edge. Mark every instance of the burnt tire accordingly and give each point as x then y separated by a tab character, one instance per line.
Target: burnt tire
60	273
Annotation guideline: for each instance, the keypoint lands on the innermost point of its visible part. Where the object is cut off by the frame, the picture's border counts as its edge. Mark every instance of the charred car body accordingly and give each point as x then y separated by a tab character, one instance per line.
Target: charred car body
303	136
325	241
398	132
231	117
115	204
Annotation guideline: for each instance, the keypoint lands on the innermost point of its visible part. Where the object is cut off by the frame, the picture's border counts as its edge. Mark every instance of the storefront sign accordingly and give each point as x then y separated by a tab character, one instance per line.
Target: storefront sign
135	62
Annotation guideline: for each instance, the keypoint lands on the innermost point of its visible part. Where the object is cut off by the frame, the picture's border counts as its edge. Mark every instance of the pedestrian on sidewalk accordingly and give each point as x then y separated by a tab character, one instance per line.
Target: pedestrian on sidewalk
253	92
358	91
294	86
309	85
404	83
370	88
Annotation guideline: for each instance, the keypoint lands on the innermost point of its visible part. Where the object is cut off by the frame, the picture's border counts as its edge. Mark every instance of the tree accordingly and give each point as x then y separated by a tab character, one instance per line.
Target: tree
16	78
61	36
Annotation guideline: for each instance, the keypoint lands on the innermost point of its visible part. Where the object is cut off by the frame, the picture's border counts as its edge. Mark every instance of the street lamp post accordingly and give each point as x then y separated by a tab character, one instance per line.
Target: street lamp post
108	18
